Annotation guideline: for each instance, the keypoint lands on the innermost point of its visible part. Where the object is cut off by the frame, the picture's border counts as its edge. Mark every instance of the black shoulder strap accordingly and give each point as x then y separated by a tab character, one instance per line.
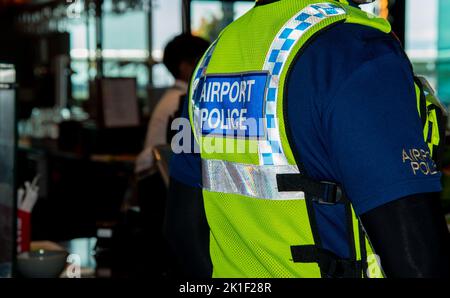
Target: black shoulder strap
316	191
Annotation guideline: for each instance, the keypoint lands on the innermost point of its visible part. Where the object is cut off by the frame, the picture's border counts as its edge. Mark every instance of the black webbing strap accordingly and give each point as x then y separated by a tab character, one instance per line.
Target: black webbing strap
330	265
363	250
323	192
422	101
438	150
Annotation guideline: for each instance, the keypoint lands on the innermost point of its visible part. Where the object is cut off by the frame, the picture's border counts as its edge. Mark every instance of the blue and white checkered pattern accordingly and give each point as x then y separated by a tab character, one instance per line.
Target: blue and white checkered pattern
270	150
201	72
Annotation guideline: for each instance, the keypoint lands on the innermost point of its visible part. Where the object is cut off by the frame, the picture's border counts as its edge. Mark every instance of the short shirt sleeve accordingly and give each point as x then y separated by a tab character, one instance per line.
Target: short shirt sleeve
375	136
353	117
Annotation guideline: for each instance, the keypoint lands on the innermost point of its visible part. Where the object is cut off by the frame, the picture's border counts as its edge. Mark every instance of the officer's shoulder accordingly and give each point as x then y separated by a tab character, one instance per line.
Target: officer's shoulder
356	41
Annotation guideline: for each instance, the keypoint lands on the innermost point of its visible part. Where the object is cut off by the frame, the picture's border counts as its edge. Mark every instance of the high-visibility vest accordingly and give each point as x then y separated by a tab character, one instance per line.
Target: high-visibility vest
257	196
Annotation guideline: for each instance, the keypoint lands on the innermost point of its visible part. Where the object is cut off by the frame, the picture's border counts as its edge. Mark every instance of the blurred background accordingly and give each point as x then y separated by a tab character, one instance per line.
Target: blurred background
79	81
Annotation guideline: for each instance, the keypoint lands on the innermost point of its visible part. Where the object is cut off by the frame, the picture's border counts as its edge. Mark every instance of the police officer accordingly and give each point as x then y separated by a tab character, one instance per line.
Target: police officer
338	178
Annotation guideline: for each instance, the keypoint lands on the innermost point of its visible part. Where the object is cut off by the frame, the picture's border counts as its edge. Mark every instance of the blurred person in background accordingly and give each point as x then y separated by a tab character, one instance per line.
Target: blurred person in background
180	57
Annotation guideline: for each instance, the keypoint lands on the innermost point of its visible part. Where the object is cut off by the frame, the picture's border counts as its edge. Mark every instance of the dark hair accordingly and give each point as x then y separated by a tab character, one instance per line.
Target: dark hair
183	48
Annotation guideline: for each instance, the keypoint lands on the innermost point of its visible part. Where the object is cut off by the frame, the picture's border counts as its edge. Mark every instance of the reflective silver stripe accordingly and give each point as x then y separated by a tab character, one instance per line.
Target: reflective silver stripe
248	180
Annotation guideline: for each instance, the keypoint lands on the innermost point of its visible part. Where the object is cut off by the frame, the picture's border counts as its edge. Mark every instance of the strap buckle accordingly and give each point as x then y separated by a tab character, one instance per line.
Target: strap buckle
331	266
323	192
341	268
332	194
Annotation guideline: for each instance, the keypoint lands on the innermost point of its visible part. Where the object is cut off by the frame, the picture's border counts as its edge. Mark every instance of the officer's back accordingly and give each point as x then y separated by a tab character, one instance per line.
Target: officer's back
339	106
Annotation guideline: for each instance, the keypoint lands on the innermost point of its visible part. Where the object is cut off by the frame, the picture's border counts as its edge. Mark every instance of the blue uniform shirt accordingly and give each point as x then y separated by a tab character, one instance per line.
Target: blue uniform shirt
353	119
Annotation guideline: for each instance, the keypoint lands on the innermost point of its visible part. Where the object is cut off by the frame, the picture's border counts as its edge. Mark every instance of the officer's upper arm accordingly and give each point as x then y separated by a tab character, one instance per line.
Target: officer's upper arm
375	136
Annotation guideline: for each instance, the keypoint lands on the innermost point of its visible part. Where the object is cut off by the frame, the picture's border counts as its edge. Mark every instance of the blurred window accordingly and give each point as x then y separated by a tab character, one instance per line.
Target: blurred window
427	38
421	37
166	25
208	18
125	46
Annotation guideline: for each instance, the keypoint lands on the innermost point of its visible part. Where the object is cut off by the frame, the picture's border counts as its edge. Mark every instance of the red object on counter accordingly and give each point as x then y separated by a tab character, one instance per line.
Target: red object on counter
23	231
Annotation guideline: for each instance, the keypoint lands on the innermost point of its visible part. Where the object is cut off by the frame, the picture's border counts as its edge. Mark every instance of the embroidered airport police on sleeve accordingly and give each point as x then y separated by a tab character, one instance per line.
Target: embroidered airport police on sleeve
420	161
